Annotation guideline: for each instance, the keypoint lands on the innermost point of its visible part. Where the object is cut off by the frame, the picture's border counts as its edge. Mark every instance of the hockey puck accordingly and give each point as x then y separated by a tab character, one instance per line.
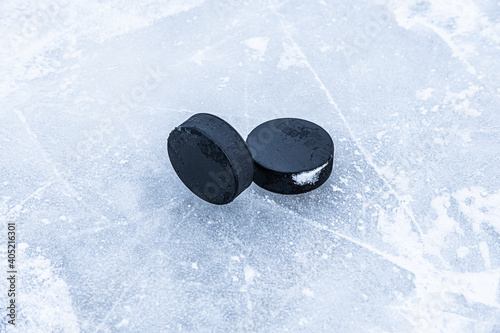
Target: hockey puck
210	158
291	156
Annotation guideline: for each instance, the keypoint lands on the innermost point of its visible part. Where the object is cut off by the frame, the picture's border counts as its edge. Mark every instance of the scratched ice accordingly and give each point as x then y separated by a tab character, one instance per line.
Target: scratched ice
404	236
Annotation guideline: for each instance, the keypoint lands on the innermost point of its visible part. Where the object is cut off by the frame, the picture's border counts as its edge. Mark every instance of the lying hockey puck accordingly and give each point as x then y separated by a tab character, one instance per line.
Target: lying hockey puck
291	156
210	158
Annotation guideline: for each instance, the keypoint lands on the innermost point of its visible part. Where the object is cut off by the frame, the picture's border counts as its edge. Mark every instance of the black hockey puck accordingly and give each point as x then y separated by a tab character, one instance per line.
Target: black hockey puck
291	156
210	158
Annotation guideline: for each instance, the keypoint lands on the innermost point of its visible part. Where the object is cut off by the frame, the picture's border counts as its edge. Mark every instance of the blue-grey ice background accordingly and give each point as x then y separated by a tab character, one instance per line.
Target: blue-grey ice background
404	236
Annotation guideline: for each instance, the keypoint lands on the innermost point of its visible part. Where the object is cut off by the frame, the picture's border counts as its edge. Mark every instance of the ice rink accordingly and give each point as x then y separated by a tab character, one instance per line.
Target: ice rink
403	237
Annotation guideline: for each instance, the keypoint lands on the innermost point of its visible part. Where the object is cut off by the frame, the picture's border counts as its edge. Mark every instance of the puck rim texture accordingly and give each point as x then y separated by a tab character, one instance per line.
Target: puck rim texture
211	140
303	168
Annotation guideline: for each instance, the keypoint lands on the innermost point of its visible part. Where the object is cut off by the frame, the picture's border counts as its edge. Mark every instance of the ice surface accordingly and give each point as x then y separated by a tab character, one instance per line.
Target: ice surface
403	237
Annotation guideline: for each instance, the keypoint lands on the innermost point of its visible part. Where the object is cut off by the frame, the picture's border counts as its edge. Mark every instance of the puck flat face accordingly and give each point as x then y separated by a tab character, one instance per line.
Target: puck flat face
291	155
210	158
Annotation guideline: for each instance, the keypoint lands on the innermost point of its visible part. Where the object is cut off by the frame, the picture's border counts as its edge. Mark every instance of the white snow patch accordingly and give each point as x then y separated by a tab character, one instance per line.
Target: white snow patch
380	135
461	101
123	323
463	252
258	44
199	57
308	177
337	189
437	15
22	246
308	292
250	274
424	94
223	83
45	297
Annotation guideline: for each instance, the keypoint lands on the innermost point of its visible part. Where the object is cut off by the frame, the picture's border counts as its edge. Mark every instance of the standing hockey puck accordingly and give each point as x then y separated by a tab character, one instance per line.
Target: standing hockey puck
210	158
291	156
